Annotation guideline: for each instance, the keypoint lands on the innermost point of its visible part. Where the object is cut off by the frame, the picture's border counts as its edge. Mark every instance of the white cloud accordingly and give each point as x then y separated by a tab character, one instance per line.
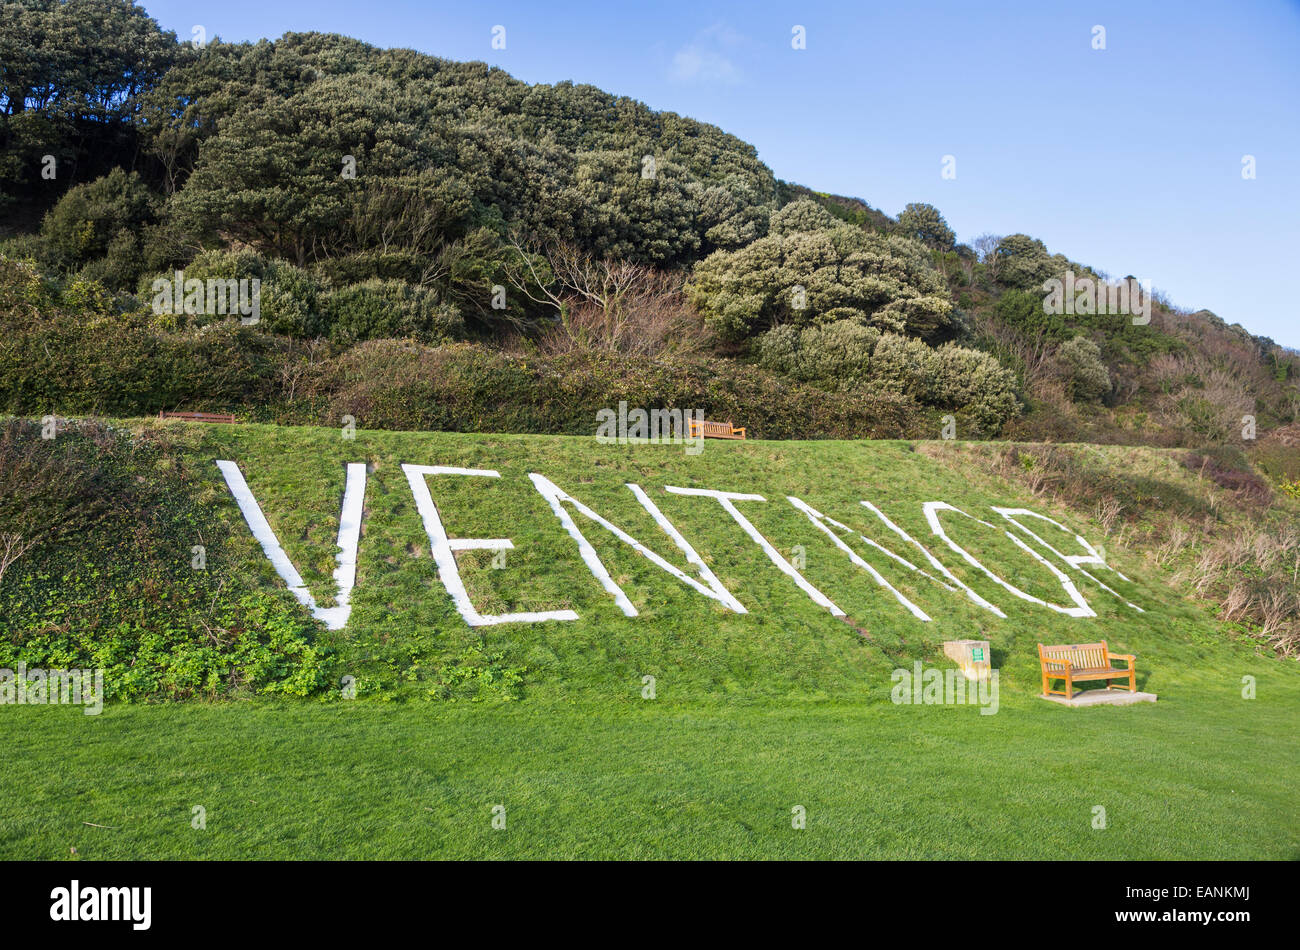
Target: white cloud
707	57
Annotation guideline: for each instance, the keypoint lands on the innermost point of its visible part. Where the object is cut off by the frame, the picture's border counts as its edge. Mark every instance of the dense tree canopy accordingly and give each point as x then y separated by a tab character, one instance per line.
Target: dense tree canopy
927	225
813	268
69	74
268	137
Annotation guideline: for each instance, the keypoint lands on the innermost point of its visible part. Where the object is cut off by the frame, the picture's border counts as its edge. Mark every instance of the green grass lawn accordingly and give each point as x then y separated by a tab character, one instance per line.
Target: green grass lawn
754	714
1203	775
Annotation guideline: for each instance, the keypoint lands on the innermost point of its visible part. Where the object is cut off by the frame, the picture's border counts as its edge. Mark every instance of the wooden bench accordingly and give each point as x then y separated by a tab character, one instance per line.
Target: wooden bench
198	416
715	430
1077	662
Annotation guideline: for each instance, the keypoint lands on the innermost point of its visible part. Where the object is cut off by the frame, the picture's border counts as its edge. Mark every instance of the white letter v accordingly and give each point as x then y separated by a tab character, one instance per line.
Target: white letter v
354	492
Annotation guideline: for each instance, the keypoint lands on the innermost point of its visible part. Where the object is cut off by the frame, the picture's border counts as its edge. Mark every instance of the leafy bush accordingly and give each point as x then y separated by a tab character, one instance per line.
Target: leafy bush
924	223
903	365
87	296
390	308
837	355
24	291
1023	262
800	216
96	224
289	298
1089	379
830	272
976	384
849	356
55	358
1023	312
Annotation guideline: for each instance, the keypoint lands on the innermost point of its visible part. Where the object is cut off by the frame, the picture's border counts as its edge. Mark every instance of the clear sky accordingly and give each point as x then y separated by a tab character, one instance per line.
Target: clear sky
1128	159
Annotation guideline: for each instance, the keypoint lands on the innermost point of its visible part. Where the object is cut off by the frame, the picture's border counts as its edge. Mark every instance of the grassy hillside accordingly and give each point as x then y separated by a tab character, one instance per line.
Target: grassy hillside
405	630
405	638
753	714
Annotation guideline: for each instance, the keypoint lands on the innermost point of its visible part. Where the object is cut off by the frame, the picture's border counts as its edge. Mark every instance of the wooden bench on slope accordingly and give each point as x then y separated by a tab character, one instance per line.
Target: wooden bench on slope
1078	662
198	416
715	430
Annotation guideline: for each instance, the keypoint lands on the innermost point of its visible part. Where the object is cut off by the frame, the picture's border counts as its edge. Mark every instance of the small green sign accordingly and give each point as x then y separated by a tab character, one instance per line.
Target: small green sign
977	654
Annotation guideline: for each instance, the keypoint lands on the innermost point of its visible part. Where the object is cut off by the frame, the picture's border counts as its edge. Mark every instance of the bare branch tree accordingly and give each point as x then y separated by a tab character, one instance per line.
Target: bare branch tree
986	246
12	546
610	305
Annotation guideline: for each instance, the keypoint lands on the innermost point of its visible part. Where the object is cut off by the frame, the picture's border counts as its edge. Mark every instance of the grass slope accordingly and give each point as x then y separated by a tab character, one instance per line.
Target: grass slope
754	714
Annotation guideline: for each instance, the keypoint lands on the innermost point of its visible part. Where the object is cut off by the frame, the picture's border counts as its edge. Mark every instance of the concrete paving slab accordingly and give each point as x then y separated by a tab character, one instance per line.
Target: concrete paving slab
1102	697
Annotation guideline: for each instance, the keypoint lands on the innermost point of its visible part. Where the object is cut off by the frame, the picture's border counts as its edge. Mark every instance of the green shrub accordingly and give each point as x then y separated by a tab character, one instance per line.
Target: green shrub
85	295
379	309
904	365
837	355
848	356
95	224
1088	376
819	275
361	266
77	361
976	384
23	247
122	264
800	216
1023	262
289	298
463	387
1023	311
24	291
924	223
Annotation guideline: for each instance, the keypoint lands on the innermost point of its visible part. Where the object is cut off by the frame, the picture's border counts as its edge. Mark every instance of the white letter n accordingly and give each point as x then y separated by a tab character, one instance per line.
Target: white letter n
557	498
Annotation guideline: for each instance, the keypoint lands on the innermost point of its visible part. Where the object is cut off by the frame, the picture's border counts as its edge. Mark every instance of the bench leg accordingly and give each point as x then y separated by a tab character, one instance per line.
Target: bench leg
1069	688
1132	680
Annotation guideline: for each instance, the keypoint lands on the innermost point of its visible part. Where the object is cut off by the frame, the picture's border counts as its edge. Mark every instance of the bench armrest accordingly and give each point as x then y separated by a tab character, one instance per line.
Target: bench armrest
1064	663
1124	656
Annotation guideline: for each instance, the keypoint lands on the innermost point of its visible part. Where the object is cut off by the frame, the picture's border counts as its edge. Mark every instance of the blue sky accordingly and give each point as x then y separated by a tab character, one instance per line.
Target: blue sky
1128	159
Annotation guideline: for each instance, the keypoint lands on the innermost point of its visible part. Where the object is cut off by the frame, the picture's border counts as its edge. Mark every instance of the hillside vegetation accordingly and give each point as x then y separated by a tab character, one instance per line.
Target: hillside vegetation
438	247
523	235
